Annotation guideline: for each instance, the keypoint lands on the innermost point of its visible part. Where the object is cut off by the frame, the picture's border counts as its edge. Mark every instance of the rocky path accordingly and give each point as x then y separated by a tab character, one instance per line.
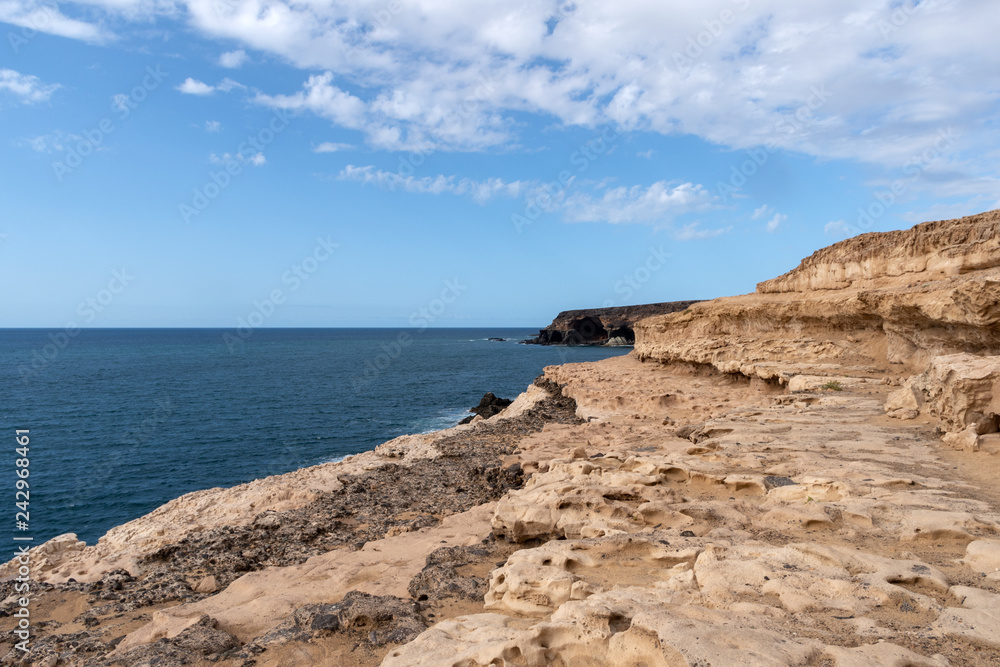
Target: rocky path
806	528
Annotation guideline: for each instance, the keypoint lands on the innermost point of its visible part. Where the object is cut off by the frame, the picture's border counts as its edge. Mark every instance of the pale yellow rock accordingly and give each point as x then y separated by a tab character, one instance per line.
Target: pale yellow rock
206	585
978	618
583	498
538	581
966	441
904	398
963	391
984	556
930	525
883	655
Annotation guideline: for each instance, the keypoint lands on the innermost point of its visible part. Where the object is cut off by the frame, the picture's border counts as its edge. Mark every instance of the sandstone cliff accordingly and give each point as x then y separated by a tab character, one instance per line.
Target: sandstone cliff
880	299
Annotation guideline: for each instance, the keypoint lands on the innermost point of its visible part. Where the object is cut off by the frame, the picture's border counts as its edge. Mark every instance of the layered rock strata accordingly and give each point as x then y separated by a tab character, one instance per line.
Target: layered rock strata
878	301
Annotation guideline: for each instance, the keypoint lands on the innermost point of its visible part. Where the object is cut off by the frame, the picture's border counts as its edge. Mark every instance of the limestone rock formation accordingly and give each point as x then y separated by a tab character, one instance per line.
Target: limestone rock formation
879	299
960	390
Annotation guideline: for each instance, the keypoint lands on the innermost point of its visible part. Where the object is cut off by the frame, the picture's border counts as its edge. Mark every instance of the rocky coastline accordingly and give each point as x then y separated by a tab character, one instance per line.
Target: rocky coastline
800	476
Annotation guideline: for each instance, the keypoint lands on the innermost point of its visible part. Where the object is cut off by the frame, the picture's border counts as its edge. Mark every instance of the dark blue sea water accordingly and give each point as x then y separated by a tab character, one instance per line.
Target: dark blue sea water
124	420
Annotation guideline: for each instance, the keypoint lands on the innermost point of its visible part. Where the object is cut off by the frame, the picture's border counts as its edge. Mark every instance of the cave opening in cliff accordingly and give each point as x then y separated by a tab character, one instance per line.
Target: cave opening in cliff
586	330
624	334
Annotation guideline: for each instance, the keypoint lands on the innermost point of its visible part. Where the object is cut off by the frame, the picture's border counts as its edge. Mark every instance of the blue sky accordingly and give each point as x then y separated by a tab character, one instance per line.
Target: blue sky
181	162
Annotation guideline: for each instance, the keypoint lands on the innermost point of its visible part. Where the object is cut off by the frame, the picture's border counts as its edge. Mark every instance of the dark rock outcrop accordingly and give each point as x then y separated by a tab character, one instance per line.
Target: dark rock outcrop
602	326
489	406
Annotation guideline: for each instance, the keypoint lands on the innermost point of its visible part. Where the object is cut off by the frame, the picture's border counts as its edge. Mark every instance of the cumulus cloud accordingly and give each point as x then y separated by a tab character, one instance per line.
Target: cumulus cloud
28	88
195	87
233	59
213	126
192	86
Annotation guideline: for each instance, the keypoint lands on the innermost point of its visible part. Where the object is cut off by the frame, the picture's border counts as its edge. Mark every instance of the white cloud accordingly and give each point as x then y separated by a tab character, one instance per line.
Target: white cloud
775	222
691	232
213	126
256	160
332	147
479	191
50	143
646	154
657	204
322	98
761	212
233	59
192	86
28	88
195	87
228	84
40	16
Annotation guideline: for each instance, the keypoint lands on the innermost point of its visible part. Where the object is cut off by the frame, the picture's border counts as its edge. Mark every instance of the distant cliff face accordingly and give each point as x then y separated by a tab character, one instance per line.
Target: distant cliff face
602	326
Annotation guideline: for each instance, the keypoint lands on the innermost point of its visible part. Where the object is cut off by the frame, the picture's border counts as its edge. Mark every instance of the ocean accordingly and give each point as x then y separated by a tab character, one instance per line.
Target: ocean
124	420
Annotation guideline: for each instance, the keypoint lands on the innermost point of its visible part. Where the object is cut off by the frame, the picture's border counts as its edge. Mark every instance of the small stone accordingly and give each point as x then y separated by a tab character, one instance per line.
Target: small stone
206	585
